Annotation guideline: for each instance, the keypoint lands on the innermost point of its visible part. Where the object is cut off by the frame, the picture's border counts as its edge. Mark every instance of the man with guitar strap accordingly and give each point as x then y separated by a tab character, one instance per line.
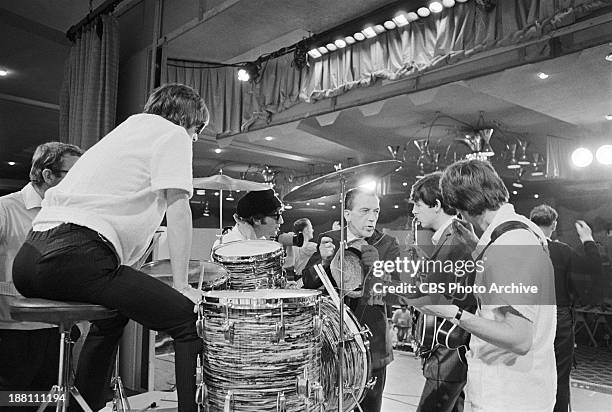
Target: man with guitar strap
444	370
511	362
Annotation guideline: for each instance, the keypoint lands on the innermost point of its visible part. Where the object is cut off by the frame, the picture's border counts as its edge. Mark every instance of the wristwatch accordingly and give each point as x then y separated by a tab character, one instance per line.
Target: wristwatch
457	317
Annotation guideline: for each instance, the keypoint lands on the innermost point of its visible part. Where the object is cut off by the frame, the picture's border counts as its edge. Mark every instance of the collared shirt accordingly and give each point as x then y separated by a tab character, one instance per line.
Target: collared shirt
499	380
17	210
240	231
438	234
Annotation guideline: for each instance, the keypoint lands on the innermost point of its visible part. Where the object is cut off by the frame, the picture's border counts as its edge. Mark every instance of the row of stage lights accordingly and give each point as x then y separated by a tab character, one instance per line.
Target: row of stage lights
399	20
583	157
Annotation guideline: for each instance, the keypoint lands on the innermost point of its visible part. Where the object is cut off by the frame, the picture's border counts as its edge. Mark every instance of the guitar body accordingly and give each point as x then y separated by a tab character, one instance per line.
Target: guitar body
427	325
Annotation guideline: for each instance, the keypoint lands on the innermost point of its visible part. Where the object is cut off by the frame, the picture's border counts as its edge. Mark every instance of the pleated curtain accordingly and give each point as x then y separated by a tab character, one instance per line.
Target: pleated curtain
88	98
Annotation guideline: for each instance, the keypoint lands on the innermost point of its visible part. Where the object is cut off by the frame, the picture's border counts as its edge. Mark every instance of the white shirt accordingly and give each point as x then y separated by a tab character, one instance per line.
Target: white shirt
240	231
17	210
499	380
117	187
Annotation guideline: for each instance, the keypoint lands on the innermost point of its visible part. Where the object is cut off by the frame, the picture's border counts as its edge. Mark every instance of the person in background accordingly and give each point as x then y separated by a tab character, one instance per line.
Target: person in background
511	359
402	320
258	216
99	221
361	214
561	256
28	350
336	225
301	254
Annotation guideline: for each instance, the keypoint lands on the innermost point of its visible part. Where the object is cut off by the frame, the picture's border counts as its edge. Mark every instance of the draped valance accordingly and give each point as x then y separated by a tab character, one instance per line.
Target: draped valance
455	34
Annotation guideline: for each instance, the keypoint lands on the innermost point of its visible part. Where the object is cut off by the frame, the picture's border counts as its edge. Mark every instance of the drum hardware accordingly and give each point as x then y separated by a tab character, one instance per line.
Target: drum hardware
317	325
280	329
200	322
372	382
229	402
228	326
318	394
281	402
302	386
201	391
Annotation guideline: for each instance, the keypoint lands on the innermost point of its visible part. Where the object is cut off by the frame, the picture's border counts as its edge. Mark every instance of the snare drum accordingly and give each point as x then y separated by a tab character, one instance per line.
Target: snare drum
261	350
356	367
252	264
210	274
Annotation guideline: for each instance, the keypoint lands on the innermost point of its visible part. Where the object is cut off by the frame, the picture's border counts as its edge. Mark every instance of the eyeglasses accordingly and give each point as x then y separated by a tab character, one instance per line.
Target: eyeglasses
276	216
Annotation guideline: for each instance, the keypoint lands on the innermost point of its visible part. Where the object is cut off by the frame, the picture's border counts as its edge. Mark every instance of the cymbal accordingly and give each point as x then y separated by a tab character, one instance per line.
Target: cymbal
223	182
329	184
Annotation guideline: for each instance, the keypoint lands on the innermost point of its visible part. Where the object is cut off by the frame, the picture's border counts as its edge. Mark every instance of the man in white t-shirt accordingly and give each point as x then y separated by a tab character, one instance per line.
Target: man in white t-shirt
98	222
511	362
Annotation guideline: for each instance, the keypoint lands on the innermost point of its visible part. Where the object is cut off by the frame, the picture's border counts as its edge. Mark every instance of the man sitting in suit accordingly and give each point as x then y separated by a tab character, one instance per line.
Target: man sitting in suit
361	214
561	256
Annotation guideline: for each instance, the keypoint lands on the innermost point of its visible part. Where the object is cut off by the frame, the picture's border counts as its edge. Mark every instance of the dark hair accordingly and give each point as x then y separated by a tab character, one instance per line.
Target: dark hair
301	224
473	186
349	198
178	103
543	215
49	156
427	190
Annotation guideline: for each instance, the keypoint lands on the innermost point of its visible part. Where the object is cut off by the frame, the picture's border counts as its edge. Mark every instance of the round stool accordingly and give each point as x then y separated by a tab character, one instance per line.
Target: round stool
65	315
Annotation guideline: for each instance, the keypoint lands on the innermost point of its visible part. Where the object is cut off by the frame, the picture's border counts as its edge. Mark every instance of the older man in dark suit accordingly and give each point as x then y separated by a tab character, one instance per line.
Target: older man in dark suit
361	214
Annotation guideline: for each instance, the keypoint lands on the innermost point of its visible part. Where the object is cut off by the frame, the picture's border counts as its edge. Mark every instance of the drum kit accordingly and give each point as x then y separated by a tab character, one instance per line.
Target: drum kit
267	348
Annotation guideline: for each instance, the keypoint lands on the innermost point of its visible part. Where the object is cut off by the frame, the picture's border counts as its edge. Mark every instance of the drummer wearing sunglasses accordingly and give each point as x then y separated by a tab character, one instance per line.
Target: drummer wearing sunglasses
258	216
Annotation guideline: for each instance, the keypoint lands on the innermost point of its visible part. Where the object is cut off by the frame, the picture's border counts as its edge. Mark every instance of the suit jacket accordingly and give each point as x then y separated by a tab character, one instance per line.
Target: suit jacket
374	316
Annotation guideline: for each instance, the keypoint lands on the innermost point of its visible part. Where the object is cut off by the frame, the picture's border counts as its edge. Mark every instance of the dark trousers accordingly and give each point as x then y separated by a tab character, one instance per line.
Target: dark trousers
74	263
564	355
445	377
28	361
372	401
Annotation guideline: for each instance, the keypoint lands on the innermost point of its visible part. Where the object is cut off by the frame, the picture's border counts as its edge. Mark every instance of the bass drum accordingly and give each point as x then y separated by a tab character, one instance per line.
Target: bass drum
357	361
202	274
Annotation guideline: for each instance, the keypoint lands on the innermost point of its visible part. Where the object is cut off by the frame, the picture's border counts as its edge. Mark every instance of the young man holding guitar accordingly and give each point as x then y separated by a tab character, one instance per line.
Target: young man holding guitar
444	369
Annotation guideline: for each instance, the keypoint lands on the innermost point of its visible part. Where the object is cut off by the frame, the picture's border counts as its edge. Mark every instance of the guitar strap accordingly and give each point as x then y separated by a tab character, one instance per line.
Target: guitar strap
507	227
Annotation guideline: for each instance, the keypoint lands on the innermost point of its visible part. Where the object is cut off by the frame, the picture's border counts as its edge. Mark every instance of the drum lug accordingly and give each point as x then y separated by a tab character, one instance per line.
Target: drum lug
229	402
228	331
279	333
201	398
317	325
317	393
200	323
302	386
281	402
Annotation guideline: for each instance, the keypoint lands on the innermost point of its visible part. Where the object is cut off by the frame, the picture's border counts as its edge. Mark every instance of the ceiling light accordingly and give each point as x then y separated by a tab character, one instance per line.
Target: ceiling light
369	32
314	53
390	25
218	150
333	206
517	184
216	193
400	20
396	206
341	44
11	163
582	157
368	185
206	211
604	154
307	203
412	16
514	192
609	57
331	47
200	192
448	3
3	72
536	196
608	117
249	71
322	50
423	12
404	184
268	138
288	207
461	1
359	36
543	76
349	40
230	197
321	203
435	7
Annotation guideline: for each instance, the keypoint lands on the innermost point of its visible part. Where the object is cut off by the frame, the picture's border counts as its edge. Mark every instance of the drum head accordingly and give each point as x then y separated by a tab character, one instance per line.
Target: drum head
246	249
262	298
213	275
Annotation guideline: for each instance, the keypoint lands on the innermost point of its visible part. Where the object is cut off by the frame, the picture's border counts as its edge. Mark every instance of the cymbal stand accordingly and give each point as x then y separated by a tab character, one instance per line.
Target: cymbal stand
341	300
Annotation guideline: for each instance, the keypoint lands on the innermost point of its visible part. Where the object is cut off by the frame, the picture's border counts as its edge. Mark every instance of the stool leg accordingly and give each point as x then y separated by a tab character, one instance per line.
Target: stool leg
120	400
